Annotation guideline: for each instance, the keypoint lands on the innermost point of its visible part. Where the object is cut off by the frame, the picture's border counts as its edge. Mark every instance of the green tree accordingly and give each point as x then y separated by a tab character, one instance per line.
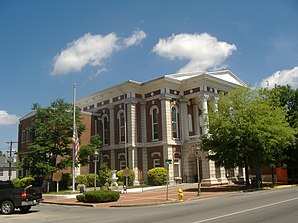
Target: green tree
287	98
87	151
247	131
51	131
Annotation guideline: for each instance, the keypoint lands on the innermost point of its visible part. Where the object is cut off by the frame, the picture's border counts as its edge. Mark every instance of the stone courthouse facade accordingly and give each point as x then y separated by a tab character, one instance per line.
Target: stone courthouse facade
143	125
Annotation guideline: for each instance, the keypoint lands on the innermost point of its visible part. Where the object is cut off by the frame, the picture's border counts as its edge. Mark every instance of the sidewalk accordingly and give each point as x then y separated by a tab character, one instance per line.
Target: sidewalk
149	195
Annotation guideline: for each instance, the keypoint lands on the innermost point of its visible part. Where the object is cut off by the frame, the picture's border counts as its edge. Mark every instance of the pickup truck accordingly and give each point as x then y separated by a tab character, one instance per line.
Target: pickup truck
12	198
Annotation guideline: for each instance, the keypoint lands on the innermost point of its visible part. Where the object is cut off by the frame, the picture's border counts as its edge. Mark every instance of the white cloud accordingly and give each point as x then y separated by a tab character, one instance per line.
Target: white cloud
283	77
203	51
7	119
92	50
135	38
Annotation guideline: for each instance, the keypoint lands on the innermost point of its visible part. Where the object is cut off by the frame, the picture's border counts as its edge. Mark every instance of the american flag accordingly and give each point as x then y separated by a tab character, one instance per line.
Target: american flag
76	145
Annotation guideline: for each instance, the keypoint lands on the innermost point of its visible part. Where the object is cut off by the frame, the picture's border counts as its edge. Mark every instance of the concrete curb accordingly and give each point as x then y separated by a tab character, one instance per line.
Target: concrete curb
70	204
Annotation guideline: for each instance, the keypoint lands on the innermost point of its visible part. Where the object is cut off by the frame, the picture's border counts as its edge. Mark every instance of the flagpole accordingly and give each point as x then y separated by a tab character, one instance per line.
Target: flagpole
74	146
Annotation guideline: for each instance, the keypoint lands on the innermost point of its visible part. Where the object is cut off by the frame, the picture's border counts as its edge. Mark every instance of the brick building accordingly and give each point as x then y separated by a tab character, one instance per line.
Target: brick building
143	125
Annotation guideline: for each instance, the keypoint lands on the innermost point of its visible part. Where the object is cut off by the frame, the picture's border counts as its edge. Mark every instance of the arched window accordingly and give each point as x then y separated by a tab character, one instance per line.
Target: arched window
154	122
105	129
174	122
121	120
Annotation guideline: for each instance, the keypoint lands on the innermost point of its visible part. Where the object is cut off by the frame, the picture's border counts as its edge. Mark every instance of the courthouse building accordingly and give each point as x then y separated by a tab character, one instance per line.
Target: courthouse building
159	123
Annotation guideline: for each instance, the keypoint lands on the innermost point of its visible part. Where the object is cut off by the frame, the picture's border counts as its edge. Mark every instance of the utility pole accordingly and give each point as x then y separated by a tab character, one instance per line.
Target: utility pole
10	158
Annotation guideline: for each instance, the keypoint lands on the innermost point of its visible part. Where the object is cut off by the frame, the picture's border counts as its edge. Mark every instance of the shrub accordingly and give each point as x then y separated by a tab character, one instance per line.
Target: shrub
99	196
81	198
104	175
157	176
82	179
26	181
90	180
22	183
122	179
120	183
16	182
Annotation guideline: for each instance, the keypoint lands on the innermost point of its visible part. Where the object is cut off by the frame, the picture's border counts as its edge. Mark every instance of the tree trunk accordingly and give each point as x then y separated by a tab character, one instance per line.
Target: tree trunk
273	175
258	178
246	175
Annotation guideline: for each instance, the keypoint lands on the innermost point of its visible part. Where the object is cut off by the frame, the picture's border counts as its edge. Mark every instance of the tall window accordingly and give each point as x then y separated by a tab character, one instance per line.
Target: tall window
156	163
154	121
23	135
105	130
174	122
177	172
122	164
95	126
121	126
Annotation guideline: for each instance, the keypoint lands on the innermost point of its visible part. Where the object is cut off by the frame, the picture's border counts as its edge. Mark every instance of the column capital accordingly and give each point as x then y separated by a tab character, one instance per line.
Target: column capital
204	96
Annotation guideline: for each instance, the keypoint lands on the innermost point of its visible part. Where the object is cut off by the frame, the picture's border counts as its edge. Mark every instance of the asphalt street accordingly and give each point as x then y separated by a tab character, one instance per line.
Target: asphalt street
275	205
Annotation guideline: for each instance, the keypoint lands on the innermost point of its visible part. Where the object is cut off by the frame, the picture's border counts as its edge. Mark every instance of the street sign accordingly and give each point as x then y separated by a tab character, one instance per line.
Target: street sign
126	172
168	161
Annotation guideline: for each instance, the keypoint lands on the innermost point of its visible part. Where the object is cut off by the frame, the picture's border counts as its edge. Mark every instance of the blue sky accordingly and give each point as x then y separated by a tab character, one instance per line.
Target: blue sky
47	45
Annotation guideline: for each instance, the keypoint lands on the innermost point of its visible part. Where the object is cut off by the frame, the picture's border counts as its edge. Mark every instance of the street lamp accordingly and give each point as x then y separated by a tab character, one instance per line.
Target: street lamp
95	167
198	169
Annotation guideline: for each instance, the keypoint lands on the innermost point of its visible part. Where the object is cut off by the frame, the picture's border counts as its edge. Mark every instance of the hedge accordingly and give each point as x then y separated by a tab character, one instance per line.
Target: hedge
99	196
157	176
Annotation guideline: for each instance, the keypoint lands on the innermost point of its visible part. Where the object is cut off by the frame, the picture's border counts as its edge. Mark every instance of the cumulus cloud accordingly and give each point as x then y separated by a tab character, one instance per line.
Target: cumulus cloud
92	50
7	119
202	51
283	77
135	38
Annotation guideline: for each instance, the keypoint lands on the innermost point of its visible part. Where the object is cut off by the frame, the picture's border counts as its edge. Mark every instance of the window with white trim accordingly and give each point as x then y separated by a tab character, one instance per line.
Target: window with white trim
105	129
177	172
122	164
174	122
121	120
156	163
154	122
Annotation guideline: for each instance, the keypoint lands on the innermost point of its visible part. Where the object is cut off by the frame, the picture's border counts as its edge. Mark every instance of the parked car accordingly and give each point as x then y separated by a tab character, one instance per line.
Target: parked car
12	198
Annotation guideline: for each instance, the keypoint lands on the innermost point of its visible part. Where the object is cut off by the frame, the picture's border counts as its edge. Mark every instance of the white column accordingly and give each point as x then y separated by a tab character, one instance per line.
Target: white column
185	165
131	124
145	164
166	120
204	101
184	120
216	98
133	164
132	140
222	179
196	117
209	172
143	123
168	154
